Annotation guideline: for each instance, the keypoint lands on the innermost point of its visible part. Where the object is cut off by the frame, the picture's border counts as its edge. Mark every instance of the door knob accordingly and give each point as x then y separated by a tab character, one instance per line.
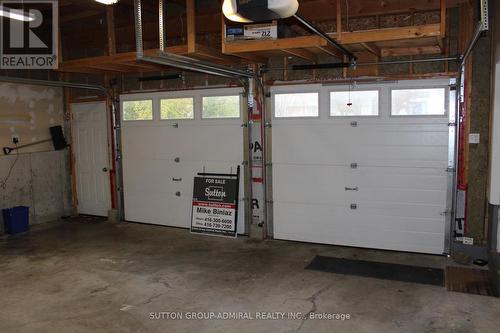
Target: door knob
104	169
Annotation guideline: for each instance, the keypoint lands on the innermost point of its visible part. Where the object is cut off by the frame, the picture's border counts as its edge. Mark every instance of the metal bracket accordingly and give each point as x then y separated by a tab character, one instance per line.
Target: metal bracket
175	125
484	15
354	124
452	124
354	206
245	125
354	165
268	125
450	169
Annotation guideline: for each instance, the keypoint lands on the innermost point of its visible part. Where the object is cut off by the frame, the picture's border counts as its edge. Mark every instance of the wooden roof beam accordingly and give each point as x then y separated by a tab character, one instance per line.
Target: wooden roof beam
387	34
372	48
407	51
322	10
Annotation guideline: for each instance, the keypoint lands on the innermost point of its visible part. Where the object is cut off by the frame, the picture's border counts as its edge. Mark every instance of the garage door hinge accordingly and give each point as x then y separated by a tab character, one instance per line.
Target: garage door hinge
354	124
450	169
452	124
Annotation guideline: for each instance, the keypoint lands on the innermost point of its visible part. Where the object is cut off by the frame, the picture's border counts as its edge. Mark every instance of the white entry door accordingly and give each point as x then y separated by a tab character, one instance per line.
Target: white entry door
169	137
91	157
364	168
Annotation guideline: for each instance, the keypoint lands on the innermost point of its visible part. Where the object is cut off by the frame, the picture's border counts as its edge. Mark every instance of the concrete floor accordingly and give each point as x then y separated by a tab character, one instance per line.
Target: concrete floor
79	276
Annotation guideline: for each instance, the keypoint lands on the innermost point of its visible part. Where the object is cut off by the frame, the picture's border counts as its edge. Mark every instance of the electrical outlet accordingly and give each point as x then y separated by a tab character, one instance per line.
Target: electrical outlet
15	139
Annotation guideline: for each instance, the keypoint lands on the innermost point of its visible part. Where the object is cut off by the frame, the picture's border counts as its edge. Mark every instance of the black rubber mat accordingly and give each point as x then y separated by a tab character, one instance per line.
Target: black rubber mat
378	270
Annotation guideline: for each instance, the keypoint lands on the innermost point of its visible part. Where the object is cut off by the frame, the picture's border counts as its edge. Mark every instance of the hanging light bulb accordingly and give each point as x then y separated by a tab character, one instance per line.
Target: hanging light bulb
229	10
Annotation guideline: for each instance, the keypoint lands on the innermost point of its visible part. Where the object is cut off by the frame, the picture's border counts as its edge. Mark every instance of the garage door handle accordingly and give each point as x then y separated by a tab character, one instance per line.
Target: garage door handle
177	179
351	188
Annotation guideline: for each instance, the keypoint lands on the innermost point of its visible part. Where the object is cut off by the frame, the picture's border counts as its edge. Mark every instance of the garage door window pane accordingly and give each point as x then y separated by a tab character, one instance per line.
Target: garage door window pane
418	102
296	105
138	110
355	103
176	108
221	107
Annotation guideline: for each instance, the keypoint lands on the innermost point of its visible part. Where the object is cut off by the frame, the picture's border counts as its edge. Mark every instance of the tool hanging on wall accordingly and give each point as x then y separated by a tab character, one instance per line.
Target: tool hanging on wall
56	136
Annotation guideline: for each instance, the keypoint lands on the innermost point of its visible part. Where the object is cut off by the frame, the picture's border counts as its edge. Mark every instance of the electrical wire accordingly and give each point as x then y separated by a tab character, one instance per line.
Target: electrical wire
3	182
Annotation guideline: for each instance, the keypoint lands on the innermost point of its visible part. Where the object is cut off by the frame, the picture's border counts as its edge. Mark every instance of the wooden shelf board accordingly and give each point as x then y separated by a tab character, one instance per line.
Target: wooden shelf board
381	42
127	62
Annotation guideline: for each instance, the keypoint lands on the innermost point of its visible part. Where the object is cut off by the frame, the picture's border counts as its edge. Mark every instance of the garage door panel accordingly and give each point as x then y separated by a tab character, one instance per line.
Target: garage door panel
327	185
204	143
378	209
305	176
428	135
163	209
144	175
325	153
308	223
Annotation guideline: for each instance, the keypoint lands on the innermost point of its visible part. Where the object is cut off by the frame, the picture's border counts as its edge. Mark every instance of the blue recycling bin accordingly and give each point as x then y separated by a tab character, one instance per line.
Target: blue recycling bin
16	219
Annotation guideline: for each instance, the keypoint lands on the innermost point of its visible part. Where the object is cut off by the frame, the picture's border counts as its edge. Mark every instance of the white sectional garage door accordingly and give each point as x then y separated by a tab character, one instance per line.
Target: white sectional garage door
166	142
344	175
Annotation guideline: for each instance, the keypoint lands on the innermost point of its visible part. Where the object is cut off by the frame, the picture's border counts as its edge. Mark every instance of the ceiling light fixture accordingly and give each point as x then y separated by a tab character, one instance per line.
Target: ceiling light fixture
258	10
229	10
107	2
16	14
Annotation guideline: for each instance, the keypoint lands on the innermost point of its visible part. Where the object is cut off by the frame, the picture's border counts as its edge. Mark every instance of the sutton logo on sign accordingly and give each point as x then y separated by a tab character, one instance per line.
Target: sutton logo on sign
215	193
29	35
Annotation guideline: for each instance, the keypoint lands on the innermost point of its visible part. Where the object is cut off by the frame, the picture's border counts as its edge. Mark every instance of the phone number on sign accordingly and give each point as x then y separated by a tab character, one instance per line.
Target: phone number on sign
217	223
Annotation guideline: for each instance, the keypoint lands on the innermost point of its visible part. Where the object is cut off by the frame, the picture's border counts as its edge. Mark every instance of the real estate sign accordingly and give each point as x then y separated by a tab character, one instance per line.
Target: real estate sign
215	205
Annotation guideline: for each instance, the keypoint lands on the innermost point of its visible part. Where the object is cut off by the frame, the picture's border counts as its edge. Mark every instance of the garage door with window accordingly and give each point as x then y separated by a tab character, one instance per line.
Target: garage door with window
363	166
167	138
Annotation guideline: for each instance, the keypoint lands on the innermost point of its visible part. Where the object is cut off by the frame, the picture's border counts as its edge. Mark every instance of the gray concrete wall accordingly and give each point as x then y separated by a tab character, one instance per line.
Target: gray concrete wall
40	180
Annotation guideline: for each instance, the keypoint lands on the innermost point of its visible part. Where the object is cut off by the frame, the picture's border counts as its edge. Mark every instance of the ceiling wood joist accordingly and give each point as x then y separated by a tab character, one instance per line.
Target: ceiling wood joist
188	26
